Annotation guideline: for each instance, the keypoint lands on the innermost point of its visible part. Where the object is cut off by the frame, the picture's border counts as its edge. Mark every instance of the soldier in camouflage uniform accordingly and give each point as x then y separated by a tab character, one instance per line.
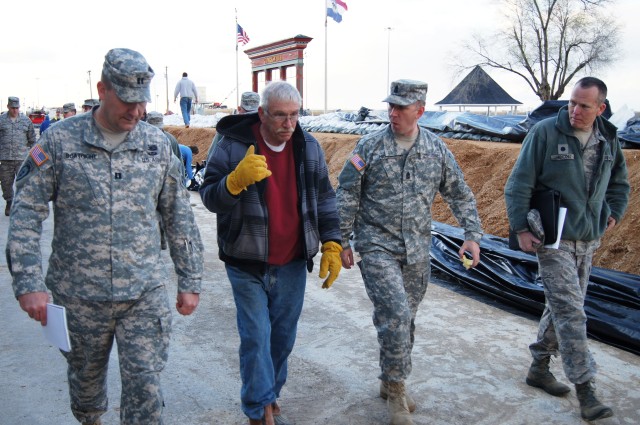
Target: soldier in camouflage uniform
578	154
17	135
385	194
106	175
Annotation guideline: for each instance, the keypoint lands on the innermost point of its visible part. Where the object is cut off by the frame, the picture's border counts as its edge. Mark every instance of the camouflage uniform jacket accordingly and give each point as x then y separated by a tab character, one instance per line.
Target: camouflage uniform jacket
242	219
106	241
15	137
386	199
552	158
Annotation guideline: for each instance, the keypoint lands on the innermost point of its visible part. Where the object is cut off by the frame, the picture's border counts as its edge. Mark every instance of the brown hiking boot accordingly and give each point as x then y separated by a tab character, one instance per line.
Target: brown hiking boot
590	407
539	376
384	394
397	404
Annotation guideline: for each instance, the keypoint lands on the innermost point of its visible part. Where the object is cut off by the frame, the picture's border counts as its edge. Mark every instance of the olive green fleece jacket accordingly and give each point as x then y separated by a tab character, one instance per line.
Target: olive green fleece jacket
551	158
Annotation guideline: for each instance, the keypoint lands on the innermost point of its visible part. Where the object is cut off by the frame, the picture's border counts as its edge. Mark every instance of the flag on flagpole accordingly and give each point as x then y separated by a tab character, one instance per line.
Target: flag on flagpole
242	35
335	9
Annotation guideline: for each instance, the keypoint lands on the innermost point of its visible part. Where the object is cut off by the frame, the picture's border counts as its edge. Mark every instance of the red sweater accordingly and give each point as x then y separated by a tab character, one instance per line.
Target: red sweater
281	197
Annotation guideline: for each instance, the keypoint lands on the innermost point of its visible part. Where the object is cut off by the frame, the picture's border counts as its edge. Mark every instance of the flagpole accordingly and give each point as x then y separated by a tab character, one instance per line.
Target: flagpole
325	58
236	37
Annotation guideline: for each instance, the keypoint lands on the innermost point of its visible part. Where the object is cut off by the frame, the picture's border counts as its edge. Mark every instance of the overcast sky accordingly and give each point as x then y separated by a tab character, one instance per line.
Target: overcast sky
48	48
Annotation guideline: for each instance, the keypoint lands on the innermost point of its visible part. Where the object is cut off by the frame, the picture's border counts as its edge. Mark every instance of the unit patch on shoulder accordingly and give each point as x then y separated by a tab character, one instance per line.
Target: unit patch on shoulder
38	155
357	162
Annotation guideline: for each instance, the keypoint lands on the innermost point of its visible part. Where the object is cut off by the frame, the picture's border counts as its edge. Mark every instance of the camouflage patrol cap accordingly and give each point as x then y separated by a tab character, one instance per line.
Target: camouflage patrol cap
68	107
406	92
155	118
90	102
14	102
250	101
129	73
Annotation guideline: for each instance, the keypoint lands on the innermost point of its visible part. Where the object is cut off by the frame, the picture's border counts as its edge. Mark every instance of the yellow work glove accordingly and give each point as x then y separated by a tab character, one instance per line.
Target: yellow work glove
252	169
330	262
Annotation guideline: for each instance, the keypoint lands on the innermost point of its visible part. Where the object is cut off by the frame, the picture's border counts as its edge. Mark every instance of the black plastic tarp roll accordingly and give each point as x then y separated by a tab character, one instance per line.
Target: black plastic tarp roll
612	303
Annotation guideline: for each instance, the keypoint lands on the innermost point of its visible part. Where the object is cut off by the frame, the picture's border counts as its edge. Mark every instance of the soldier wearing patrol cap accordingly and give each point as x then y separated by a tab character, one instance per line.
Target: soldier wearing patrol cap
385	193
89	104
17	135
68	110
108	177
249	102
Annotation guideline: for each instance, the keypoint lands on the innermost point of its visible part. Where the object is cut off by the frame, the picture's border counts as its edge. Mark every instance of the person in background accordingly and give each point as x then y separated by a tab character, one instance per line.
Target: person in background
188	93
157	119
249	102
89	104
58	116
44	124
17	135
107	176
187	153
68	110
385	194
268	183
578	154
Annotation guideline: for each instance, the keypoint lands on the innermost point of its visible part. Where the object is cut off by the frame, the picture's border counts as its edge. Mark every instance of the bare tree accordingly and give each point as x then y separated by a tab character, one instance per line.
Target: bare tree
548	42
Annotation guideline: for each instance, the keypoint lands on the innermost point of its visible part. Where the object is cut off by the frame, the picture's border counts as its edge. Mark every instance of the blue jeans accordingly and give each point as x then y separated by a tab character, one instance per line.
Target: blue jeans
268	308
185	107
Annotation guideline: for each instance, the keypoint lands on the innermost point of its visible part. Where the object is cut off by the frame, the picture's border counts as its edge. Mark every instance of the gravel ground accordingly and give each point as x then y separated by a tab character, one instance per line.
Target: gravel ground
469	360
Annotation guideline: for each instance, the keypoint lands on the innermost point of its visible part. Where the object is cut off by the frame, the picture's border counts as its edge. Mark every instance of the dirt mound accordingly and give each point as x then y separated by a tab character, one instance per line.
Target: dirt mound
486	167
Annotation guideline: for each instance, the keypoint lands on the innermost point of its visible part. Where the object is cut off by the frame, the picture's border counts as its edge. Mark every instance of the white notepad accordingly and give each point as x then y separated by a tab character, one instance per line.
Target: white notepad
56	331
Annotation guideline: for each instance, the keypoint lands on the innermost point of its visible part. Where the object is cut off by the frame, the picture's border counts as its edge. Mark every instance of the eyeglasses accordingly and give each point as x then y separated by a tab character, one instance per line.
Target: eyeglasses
282	117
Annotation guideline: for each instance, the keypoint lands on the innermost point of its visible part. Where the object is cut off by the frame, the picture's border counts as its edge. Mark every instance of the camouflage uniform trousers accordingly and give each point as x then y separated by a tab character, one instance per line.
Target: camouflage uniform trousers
563	326
8	171
141	329
396	290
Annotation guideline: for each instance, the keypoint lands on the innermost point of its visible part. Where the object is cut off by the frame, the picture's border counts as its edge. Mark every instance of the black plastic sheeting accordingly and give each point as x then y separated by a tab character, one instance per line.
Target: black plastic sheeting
510	128
630	136
459	125
612	303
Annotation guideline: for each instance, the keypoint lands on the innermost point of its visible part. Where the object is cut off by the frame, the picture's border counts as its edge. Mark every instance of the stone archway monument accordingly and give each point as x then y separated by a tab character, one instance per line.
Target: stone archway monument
275	58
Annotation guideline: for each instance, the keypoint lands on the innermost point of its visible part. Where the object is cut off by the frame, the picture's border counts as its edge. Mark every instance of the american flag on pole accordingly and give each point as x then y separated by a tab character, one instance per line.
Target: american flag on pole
242	35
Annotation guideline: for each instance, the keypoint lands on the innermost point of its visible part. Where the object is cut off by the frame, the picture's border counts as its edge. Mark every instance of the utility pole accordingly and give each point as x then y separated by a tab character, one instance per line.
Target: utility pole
166	78
90	88
388	29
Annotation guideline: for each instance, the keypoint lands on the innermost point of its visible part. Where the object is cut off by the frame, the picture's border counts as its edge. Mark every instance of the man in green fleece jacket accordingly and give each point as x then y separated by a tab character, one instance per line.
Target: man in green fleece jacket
578	154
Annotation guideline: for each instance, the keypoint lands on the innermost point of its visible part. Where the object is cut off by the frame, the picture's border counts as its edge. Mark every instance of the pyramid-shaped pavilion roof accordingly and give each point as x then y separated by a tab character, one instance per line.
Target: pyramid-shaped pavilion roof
478	89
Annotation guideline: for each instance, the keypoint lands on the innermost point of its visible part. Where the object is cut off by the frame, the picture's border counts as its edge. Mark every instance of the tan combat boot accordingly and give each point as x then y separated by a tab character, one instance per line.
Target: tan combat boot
384	394
590	407
540	376
397	404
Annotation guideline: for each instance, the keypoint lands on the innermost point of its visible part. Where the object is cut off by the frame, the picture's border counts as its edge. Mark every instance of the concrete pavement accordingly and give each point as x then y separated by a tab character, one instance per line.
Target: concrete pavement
469	360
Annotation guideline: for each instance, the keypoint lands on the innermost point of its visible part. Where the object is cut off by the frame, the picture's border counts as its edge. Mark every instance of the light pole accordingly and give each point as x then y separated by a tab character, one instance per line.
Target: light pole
166	78
90	89
388	29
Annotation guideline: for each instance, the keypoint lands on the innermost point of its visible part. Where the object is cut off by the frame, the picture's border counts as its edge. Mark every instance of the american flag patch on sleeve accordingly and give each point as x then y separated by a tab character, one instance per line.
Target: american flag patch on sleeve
38	155
357	162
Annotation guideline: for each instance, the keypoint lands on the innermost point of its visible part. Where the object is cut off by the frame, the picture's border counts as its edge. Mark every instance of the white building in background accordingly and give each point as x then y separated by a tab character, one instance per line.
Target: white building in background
202	94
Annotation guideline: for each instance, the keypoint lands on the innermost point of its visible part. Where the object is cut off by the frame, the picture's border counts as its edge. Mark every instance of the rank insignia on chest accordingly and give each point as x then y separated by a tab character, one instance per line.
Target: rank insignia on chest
152	150
357	162
38	155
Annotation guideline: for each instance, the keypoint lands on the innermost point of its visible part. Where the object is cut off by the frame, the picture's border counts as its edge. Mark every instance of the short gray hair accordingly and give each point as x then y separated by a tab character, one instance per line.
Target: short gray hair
279	90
